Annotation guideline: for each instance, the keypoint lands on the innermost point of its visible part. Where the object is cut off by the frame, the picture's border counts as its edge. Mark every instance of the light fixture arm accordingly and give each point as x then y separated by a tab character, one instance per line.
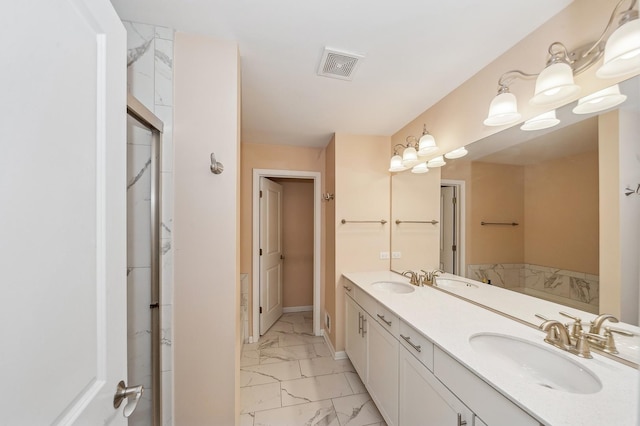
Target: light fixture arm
508	77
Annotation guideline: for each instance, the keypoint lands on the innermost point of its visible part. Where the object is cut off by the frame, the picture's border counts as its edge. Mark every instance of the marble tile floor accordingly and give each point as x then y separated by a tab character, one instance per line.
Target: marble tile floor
288	378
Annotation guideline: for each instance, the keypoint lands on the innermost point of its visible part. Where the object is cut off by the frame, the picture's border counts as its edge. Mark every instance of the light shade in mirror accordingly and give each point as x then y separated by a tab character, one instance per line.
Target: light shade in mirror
409	157
554	85
456	153
420	168
622	51
542	121
427	145
503	110
600	100
436	162
396	164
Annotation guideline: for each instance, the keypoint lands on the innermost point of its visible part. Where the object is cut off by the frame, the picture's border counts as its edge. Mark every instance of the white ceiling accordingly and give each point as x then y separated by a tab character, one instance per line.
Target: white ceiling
416	52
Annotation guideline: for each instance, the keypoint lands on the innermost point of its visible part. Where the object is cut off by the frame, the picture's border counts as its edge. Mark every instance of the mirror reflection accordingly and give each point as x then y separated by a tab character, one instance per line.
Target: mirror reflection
527	216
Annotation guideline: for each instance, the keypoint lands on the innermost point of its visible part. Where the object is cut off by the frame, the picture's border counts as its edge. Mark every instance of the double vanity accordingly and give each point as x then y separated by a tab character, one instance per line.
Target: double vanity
428	357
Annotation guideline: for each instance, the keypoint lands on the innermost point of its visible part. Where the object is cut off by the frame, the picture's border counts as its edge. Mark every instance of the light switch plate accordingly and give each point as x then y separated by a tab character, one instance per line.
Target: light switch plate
384	255
396	255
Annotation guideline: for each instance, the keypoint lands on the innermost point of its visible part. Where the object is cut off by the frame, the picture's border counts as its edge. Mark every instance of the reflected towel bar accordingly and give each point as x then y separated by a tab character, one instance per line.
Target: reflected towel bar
343	221
500	223
433	222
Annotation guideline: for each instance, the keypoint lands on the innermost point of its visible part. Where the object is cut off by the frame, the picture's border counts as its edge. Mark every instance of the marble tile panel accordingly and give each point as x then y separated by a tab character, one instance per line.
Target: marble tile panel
137	134
356	384
305	328
357	410
322	349
266	341
166	208
138	206
289	353
314	389
166	271
293	318
261	397
557	284
319	413
247	419
249	357
326	365
138	300
165	114
585	291
269	373
165	33
283	326
141	62
166	338
163	72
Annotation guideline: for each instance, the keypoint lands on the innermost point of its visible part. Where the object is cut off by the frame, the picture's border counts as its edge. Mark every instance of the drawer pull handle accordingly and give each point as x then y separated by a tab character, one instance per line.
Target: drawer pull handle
364	330
408	340
460	421
384	320
347	287
359	323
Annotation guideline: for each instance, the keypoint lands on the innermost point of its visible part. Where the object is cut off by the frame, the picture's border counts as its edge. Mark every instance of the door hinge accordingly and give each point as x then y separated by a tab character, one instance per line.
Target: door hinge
454	247
260	252
260	309
261	193
454	200
154	305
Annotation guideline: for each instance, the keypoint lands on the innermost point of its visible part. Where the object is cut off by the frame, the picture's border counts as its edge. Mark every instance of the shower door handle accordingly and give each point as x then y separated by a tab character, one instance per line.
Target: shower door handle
123	392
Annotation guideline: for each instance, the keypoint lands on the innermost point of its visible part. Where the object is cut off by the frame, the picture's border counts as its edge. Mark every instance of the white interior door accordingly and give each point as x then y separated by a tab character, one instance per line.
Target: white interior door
62	212
448	230
271	253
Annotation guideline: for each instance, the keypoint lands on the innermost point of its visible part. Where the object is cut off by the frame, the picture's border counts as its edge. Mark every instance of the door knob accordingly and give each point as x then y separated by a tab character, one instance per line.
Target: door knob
123	392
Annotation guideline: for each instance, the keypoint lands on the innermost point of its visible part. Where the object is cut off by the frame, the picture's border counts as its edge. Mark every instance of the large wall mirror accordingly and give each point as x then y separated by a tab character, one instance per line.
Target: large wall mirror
531	215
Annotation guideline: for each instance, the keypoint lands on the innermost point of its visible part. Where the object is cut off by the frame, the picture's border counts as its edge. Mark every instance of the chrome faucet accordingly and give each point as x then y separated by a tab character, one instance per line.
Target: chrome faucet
413	277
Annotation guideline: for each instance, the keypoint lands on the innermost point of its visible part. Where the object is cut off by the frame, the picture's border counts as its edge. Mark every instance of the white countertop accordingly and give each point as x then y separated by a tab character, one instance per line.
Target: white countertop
449	322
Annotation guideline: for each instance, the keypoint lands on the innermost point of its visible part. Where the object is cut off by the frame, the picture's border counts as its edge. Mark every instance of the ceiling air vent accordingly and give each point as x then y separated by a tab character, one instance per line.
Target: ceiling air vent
337	64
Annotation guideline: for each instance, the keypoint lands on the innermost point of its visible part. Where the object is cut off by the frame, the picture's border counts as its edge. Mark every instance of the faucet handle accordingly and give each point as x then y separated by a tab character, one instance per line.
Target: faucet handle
618	331
576	327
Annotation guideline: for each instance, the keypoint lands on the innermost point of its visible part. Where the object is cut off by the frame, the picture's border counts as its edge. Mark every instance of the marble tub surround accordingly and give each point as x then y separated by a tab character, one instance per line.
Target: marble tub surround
288	378
572	288
449	322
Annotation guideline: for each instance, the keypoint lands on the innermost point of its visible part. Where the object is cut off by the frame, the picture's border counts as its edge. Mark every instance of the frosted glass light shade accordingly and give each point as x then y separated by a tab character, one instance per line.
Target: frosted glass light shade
427	145
554	85
503	110
600	100
420	168
542	121
396	164
436	162
456	153
409	157
622	51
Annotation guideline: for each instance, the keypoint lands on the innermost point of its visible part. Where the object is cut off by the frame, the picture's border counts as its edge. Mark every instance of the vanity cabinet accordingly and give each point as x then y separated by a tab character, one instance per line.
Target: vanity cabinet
356	336
424	400
382	380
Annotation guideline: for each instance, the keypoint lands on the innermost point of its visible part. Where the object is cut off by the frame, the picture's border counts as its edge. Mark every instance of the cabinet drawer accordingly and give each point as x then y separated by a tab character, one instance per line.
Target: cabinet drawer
418	345
489	404
387	319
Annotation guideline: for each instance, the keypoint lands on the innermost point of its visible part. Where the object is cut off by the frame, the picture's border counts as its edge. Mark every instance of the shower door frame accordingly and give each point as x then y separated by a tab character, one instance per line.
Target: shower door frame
138	111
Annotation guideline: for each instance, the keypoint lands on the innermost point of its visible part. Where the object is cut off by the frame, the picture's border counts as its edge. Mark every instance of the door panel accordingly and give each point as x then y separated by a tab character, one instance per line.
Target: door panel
62	192
271	258
447	229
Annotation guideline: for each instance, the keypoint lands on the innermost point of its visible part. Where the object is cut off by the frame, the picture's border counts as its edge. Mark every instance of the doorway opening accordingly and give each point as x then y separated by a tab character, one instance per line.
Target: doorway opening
452	230
296	180
144	139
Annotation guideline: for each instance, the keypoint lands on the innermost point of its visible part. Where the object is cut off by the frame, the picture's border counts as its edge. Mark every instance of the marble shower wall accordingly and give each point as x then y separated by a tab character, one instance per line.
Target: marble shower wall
150	80
558	284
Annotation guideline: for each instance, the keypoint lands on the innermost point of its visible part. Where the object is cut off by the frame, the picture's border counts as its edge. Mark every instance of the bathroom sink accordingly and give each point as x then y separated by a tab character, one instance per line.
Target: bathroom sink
394	287
448	283
535	363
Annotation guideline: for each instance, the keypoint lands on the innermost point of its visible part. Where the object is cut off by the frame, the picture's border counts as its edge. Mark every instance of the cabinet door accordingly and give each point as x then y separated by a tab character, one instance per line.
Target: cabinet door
354	338
424	400
383	370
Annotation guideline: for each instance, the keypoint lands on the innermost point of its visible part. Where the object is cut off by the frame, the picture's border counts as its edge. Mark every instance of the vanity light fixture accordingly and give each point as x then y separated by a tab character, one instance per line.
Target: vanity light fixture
436	162
420	168
396	163
412	151
555	85
456	153
600	100
409	156
542	121
427	143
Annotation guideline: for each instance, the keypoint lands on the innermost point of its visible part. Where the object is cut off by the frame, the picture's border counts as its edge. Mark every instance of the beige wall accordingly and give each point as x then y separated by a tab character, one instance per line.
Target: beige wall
362	188
561	213
206	292
274	157
297	236
457	119
329	234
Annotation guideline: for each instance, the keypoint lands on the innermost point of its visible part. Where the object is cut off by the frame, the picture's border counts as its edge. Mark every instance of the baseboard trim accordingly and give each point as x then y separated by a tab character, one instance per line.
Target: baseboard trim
334	354
297	309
